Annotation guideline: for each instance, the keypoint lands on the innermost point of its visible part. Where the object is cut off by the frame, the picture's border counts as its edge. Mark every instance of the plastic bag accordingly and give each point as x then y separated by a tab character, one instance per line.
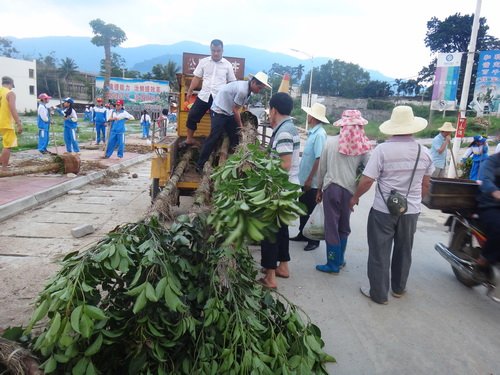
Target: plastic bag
315	226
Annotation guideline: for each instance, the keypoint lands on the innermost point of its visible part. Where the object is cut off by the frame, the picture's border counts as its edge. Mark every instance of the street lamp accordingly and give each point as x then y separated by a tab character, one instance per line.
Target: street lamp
309	95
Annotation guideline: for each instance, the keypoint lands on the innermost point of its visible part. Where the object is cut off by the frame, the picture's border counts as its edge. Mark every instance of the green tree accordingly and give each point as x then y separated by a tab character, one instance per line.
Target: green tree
166	72
118	64
453	35
377	89
6	48
67	68
107	36
337	78
47	74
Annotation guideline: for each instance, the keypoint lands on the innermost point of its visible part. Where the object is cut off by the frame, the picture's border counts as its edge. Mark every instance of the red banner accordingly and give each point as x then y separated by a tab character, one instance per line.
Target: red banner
461	126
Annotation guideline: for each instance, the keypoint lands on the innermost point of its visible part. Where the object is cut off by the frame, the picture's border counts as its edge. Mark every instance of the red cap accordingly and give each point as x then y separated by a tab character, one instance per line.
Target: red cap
119	102
98	100
44	96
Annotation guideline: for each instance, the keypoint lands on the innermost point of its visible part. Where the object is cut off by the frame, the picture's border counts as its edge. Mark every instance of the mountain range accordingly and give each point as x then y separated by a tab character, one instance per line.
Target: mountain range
88	56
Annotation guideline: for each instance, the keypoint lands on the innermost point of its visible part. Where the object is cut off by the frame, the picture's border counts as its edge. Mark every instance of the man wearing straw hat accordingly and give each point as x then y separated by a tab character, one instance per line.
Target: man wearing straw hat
399	164
439	147
225	113
316	137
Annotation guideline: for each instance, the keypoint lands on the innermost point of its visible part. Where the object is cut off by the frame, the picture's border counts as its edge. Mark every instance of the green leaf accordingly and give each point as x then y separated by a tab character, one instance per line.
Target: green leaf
94	312
49	365
75	318
94	347
150	293
39	313
86	326
140	302
54	327
160	288
81	366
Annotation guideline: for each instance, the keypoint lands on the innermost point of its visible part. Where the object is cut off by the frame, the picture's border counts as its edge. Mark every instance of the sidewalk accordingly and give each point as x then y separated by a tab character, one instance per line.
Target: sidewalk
20	193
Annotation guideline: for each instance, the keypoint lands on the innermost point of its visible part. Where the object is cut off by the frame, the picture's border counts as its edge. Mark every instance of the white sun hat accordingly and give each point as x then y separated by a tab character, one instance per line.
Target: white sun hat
403	121
318	111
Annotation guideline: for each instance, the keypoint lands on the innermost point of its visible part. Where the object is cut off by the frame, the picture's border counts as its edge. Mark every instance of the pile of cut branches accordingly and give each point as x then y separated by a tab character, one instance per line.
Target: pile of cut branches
178	297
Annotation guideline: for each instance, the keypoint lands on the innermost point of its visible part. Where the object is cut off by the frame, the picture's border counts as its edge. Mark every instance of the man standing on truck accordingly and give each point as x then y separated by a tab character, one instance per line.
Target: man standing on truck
215	71
225	113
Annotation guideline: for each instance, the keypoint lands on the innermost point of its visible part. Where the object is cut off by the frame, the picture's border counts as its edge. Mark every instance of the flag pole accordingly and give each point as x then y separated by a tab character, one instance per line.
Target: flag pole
452	173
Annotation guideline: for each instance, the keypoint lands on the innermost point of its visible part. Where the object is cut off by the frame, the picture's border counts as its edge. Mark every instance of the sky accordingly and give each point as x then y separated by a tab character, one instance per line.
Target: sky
383	35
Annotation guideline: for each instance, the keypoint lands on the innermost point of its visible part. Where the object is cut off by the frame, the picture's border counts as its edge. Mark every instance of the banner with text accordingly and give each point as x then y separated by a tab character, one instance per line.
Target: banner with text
444	94
137	94
487	90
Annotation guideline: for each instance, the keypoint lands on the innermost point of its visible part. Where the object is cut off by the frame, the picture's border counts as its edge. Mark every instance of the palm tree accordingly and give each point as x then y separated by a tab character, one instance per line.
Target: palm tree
67	68
107	36
299	71
171	73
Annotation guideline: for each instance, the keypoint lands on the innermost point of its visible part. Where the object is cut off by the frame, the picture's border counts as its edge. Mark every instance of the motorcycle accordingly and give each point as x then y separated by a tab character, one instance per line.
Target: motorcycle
457	197
464	248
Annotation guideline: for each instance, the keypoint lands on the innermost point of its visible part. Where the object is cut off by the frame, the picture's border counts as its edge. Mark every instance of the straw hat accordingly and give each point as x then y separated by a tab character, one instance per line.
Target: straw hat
261	77
351	117
318	111
403	122
447	127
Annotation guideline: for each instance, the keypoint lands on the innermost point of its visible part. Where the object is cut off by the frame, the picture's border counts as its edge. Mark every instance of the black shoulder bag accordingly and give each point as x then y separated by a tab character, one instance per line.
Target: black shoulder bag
396	202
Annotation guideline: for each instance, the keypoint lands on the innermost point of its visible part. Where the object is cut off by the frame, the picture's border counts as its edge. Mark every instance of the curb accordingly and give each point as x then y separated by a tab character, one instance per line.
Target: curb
15	207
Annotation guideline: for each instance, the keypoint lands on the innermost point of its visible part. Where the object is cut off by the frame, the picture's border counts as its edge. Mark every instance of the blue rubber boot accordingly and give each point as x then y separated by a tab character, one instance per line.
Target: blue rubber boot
343	245
332	259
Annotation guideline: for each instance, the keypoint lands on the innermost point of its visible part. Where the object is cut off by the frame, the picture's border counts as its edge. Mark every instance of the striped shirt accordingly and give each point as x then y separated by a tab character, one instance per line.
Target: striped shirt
285	141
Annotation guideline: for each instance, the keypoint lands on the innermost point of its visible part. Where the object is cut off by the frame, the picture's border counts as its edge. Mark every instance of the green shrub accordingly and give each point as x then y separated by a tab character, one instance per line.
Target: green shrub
380	104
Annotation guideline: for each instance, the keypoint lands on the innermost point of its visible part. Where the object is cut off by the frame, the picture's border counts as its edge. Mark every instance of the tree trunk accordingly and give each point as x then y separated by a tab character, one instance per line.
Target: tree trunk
50	167
107	70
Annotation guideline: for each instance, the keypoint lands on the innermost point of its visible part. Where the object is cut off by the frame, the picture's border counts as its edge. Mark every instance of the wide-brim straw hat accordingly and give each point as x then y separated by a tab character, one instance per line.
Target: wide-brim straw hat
261	77
351	117
447	127
318	111
403	121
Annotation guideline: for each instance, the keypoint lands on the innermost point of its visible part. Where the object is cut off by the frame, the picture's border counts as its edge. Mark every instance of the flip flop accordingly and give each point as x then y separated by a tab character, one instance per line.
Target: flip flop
264	283
263	270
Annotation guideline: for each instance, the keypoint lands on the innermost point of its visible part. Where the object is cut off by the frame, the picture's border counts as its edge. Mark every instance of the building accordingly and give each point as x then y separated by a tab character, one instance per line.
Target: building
24	75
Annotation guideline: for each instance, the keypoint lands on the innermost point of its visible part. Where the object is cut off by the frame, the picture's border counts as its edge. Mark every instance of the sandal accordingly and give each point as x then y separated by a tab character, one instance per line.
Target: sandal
283	276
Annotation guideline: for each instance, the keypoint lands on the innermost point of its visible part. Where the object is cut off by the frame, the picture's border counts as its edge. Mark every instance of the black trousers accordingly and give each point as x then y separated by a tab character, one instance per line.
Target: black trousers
309	199
276	251
490	221
219	124
197	111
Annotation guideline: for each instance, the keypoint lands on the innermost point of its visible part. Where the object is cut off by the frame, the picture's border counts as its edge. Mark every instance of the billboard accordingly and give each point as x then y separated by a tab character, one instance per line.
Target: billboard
137	94
190	61
444	94
487	89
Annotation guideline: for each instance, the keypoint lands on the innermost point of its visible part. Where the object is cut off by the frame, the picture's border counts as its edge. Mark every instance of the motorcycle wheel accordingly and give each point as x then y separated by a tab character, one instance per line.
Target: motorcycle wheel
460	243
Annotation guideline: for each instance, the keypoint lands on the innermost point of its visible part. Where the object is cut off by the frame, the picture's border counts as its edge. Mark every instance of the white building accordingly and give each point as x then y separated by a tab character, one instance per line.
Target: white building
24	75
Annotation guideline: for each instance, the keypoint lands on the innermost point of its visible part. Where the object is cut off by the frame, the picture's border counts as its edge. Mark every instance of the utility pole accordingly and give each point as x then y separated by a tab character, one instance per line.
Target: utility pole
452	173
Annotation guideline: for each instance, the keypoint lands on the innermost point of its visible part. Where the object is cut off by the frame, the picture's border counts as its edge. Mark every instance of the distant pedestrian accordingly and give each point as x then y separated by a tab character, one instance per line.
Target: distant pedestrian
86	114
70	125
43	120
213	73
439	149
340	161
402	165
478	152
117	134
100	119
8	113
162	123
308	177
146	124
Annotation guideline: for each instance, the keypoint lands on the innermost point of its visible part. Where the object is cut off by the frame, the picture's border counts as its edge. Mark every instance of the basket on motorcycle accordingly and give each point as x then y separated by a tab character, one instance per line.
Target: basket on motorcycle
451	194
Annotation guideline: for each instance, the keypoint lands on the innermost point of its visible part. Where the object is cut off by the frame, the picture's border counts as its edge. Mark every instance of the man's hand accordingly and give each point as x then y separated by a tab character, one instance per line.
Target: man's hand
307	184
496	194
19	128
353	202
319	196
